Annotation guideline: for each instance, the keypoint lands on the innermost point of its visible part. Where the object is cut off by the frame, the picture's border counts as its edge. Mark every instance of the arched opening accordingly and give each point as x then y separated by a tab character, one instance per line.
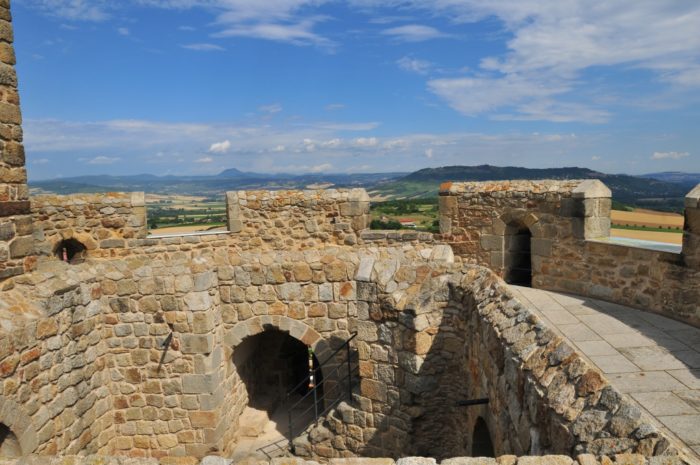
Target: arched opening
517	258
274	370
70	250
9	444
481	440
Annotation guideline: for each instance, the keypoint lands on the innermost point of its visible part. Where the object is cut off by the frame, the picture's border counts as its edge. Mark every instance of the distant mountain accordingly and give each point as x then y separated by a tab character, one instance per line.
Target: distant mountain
216	185
647	192
678	177
633	190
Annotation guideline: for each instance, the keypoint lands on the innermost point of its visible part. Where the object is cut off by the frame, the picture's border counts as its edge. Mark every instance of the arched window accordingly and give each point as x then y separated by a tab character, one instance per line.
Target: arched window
516	255
70	250
9	445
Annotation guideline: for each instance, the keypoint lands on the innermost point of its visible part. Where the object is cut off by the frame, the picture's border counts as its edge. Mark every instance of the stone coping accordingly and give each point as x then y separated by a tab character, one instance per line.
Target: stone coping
584	459
189	234
640	244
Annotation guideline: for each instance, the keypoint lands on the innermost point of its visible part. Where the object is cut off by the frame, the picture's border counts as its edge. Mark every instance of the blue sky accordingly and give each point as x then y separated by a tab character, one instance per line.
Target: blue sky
198	86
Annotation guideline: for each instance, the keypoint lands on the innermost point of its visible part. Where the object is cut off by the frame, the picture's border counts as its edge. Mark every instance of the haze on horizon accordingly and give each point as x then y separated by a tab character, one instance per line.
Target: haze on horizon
198	86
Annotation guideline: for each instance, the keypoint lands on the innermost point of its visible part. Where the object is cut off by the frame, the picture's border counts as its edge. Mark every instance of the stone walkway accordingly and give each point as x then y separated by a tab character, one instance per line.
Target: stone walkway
653	359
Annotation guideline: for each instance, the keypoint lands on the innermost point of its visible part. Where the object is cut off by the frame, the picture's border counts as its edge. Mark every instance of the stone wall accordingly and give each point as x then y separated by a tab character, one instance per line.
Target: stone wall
292	219
585	459
15	222
101	223
570	250
444	336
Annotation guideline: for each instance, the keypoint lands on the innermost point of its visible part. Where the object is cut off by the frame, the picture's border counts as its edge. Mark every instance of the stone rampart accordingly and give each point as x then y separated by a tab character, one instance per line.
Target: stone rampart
585	459
566	226
290	219
101	223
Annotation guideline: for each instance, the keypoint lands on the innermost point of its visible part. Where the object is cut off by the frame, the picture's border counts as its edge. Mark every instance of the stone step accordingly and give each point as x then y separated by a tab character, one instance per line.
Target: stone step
252	423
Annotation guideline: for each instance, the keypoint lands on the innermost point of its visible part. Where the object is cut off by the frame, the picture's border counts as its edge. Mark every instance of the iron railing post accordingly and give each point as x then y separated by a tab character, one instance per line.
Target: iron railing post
349	375
316	401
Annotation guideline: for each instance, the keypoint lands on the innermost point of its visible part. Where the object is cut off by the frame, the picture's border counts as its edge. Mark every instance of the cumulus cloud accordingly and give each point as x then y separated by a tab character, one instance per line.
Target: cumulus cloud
203	47
321	168
669	155
414	65
366	141
220	147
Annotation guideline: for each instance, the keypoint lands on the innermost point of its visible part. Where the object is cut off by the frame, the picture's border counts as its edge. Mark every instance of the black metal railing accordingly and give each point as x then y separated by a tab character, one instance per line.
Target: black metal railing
333	383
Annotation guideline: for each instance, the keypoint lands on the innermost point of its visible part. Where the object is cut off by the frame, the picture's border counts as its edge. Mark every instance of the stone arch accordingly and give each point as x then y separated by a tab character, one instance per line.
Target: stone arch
18	424
295	328
519	231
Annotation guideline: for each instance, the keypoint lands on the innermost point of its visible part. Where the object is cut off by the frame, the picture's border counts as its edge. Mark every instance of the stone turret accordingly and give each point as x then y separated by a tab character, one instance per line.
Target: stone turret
16	244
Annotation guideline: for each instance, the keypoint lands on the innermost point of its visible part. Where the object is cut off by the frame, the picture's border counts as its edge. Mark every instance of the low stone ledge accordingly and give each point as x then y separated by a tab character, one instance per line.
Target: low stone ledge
585	459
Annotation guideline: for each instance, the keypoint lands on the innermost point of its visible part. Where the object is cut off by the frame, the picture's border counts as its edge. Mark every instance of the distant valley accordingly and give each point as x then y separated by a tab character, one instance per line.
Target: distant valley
661	191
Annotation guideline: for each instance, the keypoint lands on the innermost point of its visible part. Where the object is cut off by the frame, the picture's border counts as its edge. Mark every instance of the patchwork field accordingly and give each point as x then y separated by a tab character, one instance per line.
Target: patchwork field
648	225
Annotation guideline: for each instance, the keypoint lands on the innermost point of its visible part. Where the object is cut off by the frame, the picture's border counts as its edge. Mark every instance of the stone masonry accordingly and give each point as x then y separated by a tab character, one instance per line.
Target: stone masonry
127	353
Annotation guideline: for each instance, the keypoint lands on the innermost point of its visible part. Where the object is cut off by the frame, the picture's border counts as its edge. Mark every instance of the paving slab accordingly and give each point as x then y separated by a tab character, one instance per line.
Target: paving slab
592	348
685	426
664	403
690	378
614	364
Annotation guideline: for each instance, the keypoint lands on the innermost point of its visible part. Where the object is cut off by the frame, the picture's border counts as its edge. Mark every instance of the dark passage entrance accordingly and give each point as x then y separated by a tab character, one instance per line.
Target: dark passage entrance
70	250
517	258
481	440
274	368
9	445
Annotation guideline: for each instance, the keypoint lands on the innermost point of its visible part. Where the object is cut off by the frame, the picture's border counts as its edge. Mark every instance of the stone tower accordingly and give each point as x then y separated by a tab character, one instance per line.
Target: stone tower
16	243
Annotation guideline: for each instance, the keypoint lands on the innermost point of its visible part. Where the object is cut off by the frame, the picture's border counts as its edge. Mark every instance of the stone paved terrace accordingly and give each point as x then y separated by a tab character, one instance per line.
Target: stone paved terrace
653	359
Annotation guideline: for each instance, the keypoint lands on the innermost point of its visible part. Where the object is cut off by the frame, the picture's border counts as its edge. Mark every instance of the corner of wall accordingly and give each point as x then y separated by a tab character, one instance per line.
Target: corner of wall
691	229
591	209
16	243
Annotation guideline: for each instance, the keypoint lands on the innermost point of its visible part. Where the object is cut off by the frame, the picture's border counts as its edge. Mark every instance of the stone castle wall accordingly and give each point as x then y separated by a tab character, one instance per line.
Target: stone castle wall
15	221
570	248
101	222
291	219
86	367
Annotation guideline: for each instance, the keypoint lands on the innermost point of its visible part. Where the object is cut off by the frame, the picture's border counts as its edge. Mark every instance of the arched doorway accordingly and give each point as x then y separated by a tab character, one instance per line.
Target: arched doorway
9	444
481	440
274	370
517	259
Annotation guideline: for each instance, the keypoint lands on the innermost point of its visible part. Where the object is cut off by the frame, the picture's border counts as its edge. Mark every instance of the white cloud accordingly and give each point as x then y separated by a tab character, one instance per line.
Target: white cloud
279	148
100	160
334	106
321	168
414	33
123	31
75	10
270	109
366	142
414	65
187	28
204	160
552	45
296	33
596	158
669	155
220	147
429	153
204	47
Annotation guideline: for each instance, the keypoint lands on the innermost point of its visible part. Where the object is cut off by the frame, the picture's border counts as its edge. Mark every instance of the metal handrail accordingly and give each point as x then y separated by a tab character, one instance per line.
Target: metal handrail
320	364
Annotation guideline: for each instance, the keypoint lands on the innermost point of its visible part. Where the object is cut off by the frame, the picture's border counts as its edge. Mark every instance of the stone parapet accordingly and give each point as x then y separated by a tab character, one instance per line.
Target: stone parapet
289	219
619	459
101	223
